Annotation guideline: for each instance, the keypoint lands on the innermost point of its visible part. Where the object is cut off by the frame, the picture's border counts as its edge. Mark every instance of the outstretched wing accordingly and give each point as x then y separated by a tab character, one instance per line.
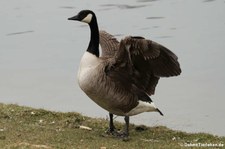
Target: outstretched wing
109	44
146	61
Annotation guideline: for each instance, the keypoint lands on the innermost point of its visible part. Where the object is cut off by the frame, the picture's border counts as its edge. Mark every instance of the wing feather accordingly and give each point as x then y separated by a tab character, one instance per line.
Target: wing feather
109	44
146	61
152	56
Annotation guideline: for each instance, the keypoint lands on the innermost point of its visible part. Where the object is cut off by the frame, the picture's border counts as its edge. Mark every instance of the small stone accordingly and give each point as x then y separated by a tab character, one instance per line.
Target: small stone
2	129
85	127
53	122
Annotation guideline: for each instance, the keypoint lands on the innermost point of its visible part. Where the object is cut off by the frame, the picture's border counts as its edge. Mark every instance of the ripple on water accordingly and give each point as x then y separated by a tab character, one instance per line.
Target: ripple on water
208	0
155	18
18	33
123	6
67	7
144	1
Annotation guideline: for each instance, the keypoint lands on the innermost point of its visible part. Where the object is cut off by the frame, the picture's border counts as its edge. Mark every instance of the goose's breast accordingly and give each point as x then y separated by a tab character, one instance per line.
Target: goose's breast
88	70
93	81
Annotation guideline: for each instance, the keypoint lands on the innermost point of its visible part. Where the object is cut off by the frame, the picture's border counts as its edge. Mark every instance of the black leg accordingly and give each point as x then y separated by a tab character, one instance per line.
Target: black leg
112	128
126	131
111	125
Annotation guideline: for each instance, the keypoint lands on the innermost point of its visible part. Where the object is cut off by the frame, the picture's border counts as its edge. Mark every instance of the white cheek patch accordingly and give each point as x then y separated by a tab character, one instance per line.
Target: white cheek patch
87	19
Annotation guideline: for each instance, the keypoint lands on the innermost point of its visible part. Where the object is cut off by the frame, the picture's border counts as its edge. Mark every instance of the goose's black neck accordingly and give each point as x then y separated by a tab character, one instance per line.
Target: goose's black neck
94	41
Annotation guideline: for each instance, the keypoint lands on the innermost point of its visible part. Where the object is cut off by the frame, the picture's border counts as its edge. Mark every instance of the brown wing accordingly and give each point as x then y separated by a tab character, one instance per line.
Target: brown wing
146	61
109	44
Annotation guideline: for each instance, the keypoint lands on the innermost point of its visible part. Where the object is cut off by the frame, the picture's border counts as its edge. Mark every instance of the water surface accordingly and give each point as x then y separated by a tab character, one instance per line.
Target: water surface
40	52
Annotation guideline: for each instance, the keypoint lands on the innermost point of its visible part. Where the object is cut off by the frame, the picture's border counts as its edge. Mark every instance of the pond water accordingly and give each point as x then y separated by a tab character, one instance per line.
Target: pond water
40	52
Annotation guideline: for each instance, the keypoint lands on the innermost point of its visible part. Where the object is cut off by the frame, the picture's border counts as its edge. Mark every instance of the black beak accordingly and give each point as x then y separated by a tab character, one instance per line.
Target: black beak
74	18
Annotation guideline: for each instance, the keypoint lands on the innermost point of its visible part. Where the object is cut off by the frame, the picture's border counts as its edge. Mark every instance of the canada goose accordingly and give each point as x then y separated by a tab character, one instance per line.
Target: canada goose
126	74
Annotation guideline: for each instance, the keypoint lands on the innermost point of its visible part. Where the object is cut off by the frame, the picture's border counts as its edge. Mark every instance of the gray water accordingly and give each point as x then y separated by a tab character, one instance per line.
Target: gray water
40	52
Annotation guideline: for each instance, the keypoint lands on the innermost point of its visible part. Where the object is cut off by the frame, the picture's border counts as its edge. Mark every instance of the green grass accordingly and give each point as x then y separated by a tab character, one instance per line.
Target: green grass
24	127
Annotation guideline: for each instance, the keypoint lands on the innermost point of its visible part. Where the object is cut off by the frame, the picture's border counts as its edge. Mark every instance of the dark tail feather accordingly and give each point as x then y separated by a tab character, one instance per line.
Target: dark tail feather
159	111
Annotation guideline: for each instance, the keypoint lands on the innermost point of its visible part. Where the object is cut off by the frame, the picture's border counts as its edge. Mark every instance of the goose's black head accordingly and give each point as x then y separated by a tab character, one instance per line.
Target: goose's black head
89	17
84	16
